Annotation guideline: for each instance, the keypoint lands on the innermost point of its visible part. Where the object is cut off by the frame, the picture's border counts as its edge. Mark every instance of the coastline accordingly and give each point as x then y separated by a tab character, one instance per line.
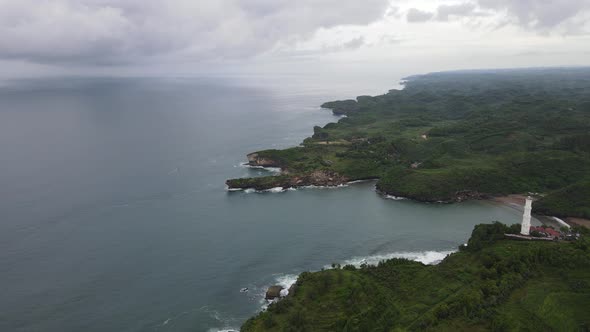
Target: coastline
326	300
282	181
578	221
512	201
516	202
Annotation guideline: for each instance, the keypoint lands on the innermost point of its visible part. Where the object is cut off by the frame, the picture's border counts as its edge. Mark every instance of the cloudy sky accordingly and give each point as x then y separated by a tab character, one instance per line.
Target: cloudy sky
192	37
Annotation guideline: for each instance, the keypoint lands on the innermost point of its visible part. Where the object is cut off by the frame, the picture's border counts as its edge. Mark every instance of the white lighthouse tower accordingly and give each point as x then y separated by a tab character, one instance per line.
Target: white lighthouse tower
526	217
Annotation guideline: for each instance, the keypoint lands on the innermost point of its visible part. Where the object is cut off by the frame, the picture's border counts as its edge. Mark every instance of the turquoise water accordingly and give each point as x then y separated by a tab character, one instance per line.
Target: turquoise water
115	217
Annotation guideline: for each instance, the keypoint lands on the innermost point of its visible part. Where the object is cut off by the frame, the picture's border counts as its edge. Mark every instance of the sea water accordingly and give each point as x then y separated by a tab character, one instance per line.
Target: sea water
114	214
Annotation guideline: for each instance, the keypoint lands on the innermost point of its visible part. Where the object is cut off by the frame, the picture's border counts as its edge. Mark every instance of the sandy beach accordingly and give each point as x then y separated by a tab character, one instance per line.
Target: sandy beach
517	202
578	221
512	200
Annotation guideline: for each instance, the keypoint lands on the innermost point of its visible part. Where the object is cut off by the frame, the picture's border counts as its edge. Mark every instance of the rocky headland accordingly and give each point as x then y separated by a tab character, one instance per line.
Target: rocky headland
319	178
452	137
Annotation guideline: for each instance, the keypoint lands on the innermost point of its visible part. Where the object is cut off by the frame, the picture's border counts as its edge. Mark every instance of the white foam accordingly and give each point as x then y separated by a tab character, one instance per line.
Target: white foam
233	189
270	169
284	292
425	257
276	190
226	322
359	181
283	280
325	187
395	198
271	190
286	281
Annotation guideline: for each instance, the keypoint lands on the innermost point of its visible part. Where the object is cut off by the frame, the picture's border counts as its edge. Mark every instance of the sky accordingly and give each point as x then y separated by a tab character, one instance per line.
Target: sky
208	37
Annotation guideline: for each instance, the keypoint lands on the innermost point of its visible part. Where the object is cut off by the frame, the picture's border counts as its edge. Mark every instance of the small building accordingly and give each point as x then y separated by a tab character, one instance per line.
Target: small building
546	232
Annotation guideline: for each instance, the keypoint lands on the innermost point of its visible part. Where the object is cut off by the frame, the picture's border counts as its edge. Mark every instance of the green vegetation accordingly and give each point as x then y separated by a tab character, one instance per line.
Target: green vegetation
491	284
261	183
571	201
459	135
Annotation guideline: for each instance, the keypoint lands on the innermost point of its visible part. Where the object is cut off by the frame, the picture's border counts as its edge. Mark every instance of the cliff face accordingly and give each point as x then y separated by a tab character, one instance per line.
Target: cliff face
314	178
319	178
254	159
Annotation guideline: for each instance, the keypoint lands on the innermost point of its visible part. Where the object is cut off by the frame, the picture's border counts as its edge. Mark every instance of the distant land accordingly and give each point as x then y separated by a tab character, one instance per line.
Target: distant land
454	136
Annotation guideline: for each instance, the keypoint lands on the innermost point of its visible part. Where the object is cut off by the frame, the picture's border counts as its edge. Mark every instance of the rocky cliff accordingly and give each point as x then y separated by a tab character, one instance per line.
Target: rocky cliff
314	178
254	159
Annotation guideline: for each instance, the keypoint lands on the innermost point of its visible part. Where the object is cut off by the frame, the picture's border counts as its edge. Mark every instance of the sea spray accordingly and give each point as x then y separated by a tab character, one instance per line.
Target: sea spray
286	281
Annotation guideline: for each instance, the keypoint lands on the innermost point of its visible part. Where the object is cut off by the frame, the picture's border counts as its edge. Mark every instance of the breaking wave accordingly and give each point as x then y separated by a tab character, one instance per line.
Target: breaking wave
325	187
276	190
360	181
225	321
425	257
270	169
395	198
286	281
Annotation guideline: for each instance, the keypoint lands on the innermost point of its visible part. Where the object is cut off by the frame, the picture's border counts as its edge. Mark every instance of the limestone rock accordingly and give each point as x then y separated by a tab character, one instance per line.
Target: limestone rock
273	292
254	159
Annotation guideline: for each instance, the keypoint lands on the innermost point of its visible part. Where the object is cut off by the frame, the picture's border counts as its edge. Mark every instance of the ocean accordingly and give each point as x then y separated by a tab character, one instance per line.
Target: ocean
114	214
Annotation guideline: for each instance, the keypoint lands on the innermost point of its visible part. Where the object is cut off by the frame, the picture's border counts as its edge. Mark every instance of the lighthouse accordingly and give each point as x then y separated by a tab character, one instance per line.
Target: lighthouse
526	217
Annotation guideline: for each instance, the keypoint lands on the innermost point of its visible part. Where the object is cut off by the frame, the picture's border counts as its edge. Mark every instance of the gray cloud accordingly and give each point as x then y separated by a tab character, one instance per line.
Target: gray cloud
123	31
349	45
445	11
538	14
354	44
541	15
416	15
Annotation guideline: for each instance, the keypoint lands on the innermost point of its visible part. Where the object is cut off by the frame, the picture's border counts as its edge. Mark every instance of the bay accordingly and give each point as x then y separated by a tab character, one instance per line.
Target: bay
114	214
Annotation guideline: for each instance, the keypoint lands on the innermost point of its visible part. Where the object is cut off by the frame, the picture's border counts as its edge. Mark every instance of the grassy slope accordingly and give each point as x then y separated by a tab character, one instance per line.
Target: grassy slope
494	133
495	285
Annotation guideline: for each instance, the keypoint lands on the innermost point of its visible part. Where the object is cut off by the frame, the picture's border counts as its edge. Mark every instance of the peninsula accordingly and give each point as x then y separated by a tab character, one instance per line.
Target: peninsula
453	136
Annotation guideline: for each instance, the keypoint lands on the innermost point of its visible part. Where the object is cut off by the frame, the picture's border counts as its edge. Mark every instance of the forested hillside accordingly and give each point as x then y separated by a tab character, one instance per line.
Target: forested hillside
454	136
491	284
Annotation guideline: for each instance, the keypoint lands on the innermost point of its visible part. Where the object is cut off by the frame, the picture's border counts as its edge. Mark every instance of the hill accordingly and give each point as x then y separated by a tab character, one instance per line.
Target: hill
491	284
452	136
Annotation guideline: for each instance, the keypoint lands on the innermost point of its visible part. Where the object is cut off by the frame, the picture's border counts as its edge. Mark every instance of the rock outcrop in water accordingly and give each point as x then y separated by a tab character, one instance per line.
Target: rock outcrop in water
273	292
